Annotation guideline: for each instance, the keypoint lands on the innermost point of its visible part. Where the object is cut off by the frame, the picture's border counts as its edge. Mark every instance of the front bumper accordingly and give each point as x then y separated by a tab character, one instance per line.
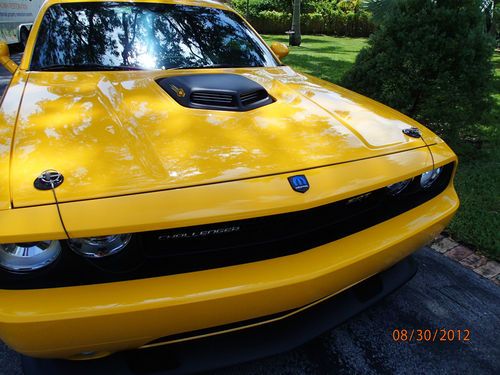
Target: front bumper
105	318
240	345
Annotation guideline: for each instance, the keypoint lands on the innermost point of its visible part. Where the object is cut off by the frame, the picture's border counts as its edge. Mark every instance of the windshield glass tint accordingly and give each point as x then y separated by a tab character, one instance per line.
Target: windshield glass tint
145	35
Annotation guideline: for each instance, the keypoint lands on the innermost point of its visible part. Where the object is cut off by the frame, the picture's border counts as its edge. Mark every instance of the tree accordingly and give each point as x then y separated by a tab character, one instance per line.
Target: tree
380	8
296	37
430	59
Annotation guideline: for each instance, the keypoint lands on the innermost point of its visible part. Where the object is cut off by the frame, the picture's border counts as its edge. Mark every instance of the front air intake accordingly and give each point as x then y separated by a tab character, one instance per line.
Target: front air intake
227	92
253	97
213	99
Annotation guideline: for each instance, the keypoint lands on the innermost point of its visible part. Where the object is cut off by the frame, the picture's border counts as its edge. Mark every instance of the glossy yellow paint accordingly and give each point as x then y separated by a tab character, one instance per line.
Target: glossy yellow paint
30	224
117	316
238	199
134	160
280	49
8	117
117	133
5	60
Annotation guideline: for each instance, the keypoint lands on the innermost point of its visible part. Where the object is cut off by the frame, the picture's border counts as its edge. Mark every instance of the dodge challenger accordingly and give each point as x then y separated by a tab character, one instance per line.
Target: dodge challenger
165	179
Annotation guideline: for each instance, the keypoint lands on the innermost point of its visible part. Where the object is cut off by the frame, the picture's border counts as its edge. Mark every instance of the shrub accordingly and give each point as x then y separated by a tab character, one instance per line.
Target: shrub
430	59
312	23
272	22
257	6
332	17
496	24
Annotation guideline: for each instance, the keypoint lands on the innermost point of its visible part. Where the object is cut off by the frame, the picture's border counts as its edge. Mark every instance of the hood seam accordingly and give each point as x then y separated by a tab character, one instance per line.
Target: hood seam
234	180
14	131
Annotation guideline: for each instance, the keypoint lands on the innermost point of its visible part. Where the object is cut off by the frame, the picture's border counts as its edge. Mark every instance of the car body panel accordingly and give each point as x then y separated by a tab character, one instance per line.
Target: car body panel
30	224
8	116
118	133
353	108
442	153
238	199
152	308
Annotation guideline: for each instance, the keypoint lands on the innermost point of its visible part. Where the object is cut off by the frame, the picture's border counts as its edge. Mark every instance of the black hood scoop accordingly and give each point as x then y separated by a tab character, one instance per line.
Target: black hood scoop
226	92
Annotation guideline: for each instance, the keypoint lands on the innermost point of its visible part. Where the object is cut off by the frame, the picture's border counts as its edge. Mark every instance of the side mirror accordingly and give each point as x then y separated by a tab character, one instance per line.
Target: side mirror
5	60
279	49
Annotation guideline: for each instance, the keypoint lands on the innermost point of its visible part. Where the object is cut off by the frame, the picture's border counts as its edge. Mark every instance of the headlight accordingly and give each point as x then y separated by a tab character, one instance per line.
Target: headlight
428	178
24	257
398	187
99	247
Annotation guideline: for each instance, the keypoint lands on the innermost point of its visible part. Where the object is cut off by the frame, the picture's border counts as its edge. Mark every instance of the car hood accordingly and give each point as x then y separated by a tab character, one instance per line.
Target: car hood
118	133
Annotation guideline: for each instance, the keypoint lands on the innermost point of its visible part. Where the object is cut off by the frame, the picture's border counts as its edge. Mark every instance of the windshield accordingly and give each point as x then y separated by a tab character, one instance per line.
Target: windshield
116	36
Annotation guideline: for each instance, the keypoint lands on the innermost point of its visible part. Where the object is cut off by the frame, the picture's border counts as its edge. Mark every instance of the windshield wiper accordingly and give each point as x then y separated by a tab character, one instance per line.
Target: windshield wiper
213	66
86	67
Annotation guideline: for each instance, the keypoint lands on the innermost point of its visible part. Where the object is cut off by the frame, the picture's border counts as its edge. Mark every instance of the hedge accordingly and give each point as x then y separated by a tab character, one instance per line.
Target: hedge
320	18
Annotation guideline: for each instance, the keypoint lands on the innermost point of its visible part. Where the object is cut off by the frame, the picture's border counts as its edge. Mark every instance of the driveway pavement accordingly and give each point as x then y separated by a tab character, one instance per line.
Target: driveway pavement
443	295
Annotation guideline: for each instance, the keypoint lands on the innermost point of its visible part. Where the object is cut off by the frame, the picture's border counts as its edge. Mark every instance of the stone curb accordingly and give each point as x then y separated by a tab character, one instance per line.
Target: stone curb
480	264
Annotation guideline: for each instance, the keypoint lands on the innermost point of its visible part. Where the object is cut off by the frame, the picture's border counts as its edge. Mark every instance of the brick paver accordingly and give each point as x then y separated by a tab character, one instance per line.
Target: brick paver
443	245
459	252
496	280
490	270
480	264
474	260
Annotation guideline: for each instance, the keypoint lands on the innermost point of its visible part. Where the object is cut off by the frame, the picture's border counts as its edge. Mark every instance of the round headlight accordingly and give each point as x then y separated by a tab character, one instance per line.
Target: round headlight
25	257
99	247
428	178
398	187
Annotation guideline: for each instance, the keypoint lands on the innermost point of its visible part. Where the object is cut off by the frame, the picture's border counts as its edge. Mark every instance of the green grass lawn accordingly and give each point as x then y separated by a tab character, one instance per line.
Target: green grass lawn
478	184
478	178
325	57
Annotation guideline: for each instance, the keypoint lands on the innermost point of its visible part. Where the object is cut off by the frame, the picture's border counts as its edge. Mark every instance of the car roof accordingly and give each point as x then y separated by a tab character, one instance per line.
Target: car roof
202	3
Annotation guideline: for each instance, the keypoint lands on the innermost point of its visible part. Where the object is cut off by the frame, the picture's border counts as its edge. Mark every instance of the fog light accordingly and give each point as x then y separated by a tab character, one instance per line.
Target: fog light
99	247
30	256
398	187
428	178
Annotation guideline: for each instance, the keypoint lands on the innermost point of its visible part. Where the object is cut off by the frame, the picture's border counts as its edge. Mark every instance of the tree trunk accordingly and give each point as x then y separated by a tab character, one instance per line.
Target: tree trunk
296	37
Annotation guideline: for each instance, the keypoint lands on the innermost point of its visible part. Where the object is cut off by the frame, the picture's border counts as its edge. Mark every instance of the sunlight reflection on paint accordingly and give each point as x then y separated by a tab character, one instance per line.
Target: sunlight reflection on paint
132	137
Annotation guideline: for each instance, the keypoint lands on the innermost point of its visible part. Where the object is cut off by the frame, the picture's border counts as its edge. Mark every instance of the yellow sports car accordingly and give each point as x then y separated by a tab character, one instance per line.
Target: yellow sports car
165	180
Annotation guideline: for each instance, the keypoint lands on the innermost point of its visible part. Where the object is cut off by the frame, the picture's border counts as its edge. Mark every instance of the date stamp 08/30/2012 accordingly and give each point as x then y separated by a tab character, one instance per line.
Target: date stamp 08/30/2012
431	335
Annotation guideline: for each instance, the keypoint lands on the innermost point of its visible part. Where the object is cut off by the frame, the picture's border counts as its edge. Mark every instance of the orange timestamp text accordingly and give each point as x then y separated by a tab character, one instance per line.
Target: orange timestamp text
431	335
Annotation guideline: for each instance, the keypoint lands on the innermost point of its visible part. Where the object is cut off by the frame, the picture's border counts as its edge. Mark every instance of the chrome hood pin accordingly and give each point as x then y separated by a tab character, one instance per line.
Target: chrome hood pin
48	179
412	132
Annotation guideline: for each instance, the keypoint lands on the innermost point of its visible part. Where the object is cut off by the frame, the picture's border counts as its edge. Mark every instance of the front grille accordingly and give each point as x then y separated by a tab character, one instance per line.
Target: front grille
181	250
272	235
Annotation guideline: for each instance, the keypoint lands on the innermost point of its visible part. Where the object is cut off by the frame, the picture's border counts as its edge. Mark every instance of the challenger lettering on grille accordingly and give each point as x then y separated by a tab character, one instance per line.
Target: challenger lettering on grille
199	233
